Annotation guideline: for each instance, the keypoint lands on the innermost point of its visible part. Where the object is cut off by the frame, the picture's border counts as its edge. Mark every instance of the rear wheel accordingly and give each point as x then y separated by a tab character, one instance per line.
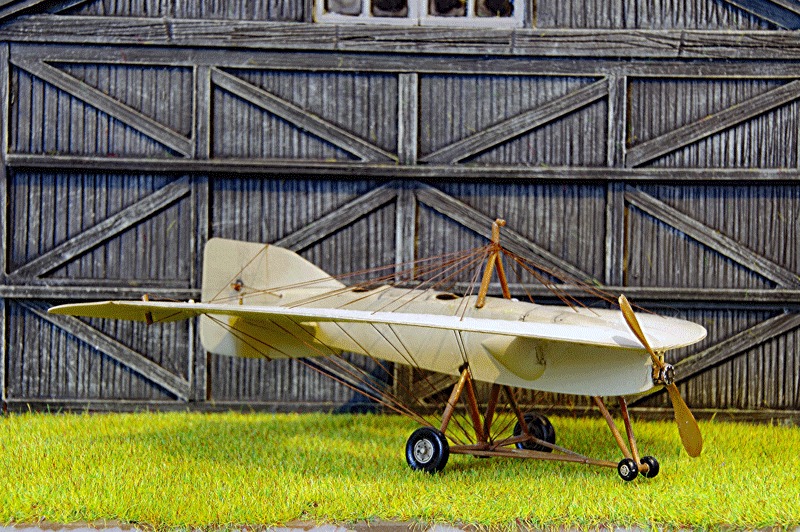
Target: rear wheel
627	469
652	465
539	427
427	450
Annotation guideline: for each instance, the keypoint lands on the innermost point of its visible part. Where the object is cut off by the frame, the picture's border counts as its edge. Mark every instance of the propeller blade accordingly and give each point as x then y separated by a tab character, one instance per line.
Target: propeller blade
633	323
687	425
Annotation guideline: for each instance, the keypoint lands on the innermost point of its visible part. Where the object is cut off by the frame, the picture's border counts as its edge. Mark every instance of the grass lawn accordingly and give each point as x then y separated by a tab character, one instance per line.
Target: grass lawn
211	470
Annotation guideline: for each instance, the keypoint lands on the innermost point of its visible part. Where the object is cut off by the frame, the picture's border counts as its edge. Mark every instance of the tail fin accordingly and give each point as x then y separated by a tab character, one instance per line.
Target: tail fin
255	274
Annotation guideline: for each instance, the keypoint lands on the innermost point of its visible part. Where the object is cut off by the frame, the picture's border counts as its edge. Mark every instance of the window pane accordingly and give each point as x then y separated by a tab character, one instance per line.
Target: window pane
389	8
495	8
343	7
447	8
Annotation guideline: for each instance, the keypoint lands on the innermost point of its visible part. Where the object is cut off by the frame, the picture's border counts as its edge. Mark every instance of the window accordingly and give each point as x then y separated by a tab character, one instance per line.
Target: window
483	13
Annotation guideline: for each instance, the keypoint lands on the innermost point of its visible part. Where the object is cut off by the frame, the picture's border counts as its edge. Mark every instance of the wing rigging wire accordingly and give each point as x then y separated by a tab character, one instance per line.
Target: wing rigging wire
420	277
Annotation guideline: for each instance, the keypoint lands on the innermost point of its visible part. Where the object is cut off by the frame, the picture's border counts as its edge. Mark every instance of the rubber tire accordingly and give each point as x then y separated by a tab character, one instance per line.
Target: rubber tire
627	469
540	427
652	463
427	450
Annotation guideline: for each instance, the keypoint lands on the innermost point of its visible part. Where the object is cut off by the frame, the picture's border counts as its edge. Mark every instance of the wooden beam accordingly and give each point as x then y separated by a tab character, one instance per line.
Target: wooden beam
71	292
711	124
518	125
101	101
301	118
242	34
202	112
736	345
339	218
712	238
403	63
115	350
481	224
108	228
407	118
782	13
299	168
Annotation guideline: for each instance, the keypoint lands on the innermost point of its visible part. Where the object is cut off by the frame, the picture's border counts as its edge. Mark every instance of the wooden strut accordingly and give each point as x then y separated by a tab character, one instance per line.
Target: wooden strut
494	260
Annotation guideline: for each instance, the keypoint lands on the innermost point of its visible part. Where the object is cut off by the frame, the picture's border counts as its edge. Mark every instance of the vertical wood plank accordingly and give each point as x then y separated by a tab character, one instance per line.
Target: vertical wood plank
408	118
202	112
4	113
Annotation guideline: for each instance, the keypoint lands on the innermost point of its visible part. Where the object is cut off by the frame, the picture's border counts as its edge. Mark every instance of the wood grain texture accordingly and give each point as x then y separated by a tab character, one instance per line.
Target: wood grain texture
622	43
103	231
713	238
110	106
710	124
301	118
518	125
129	358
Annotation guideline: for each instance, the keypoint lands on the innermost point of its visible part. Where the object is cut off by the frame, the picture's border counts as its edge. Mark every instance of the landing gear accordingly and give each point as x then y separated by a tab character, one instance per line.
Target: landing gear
652	465
540	428
427	450
627	469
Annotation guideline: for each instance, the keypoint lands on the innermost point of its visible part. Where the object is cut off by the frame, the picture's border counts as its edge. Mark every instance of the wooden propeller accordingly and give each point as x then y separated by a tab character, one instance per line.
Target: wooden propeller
687	425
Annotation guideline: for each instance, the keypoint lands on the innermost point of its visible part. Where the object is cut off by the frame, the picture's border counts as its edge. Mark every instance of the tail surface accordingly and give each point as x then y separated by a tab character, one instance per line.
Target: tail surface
249	273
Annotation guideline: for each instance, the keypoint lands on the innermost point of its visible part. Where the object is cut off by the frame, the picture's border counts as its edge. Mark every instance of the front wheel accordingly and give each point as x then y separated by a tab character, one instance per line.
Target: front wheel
427	450
539	427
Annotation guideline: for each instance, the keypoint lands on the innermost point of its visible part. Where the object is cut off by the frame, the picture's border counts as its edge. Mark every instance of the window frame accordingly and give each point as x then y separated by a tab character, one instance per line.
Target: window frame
418	16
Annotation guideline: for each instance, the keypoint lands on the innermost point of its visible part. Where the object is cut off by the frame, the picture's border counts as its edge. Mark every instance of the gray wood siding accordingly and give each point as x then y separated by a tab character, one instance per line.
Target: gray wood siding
659	160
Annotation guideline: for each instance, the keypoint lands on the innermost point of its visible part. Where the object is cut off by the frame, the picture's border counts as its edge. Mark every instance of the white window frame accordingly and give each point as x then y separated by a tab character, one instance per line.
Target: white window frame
418	16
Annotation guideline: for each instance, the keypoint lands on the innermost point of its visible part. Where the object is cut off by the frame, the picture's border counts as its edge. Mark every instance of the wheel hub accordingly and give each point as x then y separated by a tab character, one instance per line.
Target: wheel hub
423	451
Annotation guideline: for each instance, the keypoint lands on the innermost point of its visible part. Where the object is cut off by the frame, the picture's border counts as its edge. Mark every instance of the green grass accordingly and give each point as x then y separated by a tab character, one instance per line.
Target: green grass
212	470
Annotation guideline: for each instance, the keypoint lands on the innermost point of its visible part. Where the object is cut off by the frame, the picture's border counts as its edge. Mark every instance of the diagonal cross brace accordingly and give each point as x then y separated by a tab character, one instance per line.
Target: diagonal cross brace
301	118
126	356
519	124
108	228
101	101
711	124
712	238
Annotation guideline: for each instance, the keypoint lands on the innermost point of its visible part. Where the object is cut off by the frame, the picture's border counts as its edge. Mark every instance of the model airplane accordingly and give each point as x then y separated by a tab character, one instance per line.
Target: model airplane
268	302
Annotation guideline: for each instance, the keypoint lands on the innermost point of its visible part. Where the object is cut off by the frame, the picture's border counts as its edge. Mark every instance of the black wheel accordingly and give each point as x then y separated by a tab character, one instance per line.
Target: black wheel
539	427
652	464
627	469
427	449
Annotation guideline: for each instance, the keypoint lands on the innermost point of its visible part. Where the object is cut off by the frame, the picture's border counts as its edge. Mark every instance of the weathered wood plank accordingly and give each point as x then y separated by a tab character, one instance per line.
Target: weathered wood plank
482	224
105	230
109	346
657	44
518	125
736	345
3	353
9	8
615	233
408	118
782	13
310	60
202	116
714	123
300	117
4	132
340	218
712	238
292	168
98	99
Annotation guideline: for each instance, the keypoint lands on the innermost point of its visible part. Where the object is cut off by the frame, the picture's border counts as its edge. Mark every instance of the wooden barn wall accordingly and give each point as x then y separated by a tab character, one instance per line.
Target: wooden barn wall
643	163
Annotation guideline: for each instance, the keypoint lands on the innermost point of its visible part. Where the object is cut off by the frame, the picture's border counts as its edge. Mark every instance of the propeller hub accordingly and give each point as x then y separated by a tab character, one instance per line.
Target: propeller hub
664	375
